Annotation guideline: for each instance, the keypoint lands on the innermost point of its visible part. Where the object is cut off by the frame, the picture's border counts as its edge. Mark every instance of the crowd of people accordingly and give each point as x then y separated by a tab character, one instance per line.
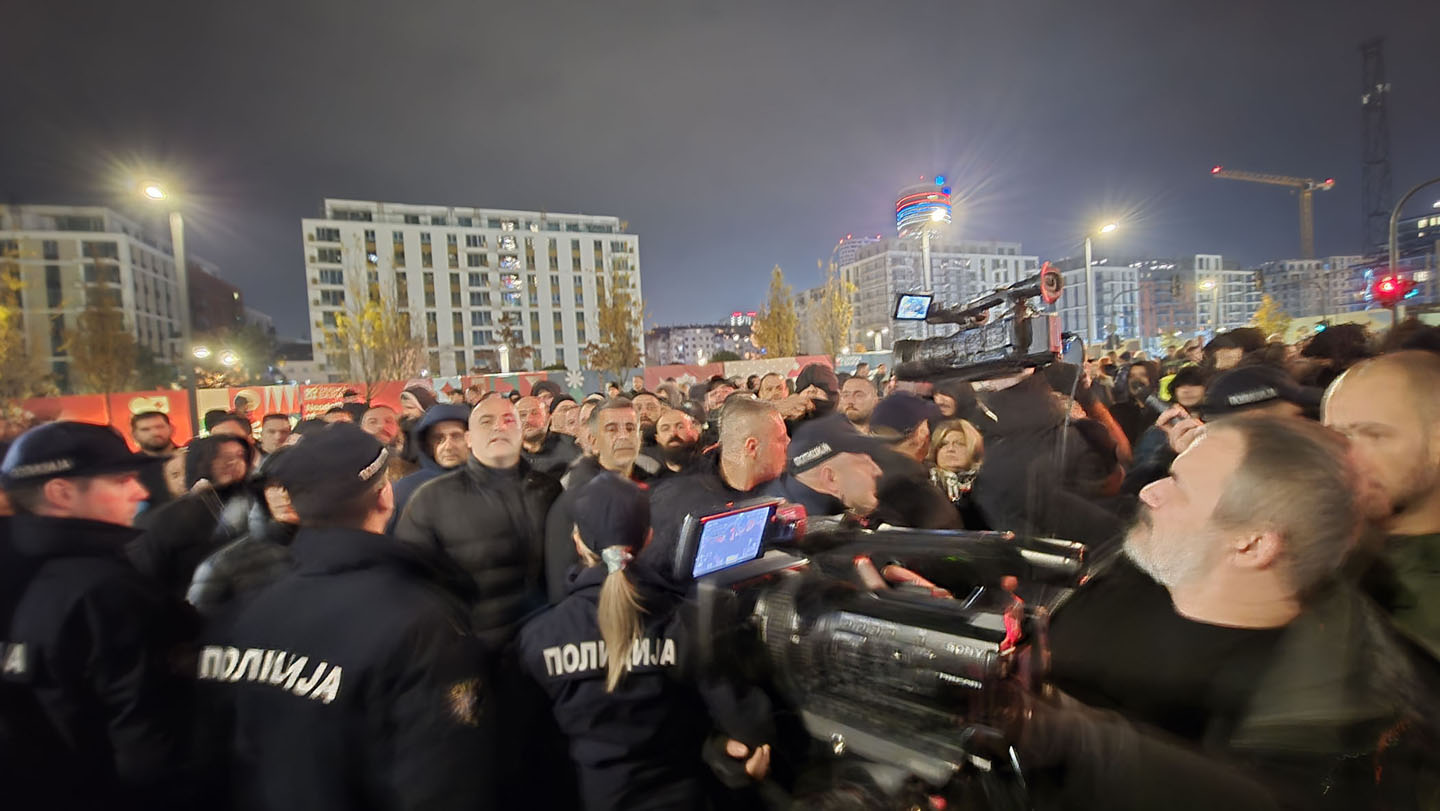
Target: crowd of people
476	603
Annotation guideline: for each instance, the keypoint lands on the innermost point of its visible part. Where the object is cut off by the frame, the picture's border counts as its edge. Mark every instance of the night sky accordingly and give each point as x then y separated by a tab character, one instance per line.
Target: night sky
732	135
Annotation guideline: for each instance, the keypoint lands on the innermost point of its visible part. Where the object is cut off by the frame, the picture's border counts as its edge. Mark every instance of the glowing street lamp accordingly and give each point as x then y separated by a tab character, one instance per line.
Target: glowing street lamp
201	352
156	193
1107	228
228	358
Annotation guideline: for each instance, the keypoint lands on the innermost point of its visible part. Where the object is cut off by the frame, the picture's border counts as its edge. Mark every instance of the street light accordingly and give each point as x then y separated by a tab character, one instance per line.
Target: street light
228	358
201	352
1107	228
878	335
155	193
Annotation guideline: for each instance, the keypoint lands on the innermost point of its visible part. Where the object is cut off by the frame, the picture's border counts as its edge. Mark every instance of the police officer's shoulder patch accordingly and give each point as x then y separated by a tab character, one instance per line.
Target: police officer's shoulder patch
464	700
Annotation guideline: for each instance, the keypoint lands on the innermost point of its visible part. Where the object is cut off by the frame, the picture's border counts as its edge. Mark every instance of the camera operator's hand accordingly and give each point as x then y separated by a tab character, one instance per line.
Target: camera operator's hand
875	579
1182	432
735	764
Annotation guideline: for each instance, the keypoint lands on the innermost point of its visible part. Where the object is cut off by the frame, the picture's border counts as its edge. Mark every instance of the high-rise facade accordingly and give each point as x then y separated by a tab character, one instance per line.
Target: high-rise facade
1306	288
462	276
66	254
960	270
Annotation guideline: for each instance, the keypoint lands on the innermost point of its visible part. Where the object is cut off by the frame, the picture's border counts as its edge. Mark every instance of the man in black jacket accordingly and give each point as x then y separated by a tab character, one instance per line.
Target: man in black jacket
615	426
830	470
354	681
92	713
1230	633
752	449
546	451
489	516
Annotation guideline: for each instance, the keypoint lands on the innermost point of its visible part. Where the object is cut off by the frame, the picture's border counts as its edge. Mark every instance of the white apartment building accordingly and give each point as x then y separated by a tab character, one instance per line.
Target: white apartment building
1150	298
66	253
458	272
961	270
686	344
1305	288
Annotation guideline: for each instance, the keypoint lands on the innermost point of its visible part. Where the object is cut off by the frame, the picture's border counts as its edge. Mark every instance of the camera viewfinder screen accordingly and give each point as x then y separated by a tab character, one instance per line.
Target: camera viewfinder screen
729	539
912	307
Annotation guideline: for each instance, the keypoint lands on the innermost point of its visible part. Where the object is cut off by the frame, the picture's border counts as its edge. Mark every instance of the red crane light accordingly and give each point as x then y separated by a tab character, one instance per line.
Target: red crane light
1216	169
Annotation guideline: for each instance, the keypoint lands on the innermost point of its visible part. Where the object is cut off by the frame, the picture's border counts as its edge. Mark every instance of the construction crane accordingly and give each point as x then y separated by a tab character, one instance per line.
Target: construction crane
1306	188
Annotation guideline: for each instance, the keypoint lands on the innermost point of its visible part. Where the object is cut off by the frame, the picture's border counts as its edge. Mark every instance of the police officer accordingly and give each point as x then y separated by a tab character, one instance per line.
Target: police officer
610	657
830	471
354	681
91	701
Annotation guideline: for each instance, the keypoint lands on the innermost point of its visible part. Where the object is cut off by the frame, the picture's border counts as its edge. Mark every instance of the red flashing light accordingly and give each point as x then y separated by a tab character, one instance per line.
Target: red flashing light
751	314
1216	169
1329	181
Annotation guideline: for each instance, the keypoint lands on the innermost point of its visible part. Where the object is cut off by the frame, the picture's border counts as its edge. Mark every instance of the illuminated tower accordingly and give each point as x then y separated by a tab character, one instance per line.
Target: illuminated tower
921	211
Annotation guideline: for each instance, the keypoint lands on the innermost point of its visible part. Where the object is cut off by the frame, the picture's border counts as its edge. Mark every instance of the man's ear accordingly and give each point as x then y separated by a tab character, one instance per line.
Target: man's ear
386	501
1258	550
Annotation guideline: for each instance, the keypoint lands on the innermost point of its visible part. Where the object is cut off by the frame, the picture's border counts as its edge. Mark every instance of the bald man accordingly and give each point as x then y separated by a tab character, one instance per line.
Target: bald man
1388	408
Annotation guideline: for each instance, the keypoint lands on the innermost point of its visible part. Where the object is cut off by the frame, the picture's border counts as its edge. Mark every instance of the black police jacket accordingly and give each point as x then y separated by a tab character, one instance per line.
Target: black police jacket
555	454
702	491
640	746
792	490
560	555
242	567
353	683
92	704
492	523
907	496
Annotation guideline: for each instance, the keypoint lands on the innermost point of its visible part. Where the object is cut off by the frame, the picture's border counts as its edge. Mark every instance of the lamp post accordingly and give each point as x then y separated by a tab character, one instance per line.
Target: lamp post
156	193
1110	306
1394	237
1107	228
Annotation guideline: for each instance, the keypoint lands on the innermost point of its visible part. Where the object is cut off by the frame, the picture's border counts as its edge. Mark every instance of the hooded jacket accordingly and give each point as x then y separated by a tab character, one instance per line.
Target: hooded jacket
429	468
181	534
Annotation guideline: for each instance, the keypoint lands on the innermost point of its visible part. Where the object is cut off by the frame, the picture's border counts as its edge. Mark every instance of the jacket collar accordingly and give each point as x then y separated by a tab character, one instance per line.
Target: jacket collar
330	550
486	475
41	536
1337	681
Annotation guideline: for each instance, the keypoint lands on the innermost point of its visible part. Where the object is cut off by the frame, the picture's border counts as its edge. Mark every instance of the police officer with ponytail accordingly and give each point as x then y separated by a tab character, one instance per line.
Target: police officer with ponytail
613	658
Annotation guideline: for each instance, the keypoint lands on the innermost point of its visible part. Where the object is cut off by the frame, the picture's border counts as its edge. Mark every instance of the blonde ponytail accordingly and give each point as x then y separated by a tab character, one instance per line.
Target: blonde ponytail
619	619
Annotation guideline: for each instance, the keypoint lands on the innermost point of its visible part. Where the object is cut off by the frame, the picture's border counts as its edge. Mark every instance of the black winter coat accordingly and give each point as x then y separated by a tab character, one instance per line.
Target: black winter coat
908	498
353	683
555	455
492	523
93	708
239	569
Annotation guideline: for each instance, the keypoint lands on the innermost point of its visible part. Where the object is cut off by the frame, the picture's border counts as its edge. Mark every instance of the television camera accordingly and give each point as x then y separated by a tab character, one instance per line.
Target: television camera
919	688
987	344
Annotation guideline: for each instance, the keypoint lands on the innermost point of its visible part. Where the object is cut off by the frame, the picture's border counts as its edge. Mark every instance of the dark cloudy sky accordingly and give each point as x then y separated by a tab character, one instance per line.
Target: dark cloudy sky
732	135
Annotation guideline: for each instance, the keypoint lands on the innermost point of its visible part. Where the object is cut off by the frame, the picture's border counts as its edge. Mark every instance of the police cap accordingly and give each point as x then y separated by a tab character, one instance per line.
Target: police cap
68	450
824	438
611	510
332	465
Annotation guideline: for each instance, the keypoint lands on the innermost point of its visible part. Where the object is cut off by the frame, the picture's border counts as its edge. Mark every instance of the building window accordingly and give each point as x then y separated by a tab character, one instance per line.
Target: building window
402	290
455	290
464	222
412	219
327	234
398	241
477	260
559	336
460	360
330	255
332	298
54	293
534	329
427	281
439	219
474	240
457	331
479	299
432	330
481	318
332	277
427	259
370	236
57	335
51	249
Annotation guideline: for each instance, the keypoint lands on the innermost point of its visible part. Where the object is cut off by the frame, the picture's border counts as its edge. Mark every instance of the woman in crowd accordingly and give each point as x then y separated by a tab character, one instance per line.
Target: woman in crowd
956	451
